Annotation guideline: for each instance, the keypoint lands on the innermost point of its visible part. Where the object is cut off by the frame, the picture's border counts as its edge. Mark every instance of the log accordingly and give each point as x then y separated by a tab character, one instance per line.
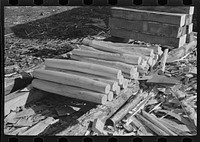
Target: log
168	41
84	47
73	80
126	68
125	58
84	67
125	84
122	49
144	49
100	45
113	83
144	15
125	109
148	27
110	96
69	91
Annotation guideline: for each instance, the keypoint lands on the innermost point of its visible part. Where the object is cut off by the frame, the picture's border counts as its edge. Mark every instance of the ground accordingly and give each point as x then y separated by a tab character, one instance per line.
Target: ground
34	33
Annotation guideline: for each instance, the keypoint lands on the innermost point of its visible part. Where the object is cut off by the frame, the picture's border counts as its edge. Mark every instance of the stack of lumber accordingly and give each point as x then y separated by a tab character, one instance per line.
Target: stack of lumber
163	25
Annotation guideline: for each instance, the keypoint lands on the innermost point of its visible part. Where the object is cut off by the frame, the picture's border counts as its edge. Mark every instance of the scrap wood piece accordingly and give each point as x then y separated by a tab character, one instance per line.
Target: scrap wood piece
22	100
180	118
178	53
179	129
24	122
153	119
152	126
19	131
40	127
139	107
125	109
160	79
141	128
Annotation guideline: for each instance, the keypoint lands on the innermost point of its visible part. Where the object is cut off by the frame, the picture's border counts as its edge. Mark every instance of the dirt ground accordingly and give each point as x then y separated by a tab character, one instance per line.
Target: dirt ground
33	33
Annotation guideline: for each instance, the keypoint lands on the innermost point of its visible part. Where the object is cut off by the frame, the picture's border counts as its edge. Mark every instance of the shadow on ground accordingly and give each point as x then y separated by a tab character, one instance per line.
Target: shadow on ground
75	23
67	110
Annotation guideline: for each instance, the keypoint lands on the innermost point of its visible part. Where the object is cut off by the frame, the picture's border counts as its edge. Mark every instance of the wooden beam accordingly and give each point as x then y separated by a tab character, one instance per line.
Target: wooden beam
84	67
175	42
69	91
143	15
73	80
148	27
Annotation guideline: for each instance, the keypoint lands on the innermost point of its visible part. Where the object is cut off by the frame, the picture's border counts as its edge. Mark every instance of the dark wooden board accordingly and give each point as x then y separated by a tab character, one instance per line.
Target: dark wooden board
170	9
143	15
154	28
174	42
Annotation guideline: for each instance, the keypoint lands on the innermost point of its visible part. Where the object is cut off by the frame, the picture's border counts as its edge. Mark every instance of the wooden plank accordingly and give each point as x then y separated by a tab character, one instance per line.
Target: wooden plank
174	42
189	28
143	15
21	100
169	9
73	80
70	91
40	127
188	19
84	67
148	27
